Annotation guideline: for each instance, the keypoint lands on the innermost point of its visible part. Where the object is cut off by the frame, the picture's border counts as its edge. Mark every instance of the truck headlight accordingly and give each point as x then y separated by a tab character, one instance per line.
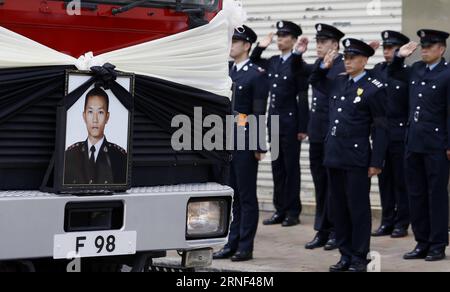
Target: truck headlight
208	218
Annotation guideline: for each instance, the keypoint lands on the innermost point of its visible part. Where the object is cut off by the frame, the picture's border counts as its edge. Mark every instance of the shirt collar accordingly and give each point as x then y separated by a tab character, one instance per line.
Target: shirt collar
240	65
286	56
359	77
432	66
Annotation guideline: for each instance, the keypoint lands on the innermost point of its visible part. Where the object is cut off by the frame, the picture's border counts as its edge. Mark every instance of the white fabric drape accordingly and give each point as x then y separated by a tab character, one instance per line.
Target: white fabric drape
196	58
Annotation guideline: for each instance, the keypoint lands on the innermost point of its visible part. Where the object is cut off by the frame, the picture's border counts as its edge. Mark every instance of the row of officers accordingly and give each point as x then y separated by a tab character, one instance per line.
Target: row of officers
391	121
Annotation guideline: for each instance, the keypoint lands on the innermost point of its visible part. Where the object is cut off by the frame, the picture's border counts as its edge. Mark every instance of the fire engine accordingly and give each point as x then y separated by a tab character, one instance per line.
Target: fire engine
178	201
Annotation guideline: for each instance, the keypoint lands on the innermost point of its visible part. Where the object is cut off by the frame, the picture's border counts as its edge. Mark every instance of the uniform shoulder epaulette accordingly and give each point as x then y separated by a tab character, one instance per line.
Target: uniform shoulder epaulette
74	146
117	147
377	83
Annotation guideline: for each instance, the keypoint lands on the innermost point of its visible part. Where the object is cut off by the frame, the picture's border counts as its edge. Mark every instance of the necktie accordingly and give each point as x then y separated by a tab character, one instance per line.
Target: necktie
92	157
92	165
428	70
350	83
233	70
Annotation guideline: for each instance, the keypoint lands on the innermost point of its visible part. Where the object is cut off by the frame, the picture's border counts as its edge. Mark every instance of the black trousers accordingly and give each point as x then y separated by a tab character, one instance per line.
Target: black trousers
244	170
427	177
286	177
322	222
393	193
351	212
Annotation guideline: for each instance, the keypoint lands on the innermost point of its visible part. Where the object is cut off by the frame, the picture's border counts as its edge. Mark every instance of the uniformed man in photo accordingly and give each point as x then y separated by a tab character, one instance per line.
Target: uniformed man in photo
250	102
394	197
95	161
356	107
428	142
328	38
288	85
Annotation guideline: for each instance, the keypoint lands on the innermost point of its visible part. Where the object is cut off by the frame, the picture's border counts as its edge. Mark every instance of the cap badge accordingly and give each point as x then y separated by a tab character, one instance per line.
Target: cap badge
240	29
348	43
423	34
319	27
386	35
280	24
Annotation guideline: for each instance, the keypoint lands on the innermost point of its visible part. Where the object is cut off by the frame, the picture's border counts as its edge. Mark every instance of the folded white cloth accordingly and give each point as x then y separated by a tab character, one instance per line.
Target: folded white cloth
196	58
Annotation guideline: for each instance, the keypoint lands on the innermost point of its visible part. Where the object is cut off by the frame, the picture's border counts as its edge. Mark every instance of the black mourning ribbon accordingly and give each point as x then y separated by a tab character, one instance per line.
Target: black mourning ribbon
104	76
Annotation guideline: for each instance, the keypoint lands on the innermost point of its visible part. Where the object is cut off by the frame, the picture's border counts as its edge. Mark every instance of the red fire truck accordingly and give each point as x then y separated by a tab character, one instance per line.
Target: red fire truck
177	202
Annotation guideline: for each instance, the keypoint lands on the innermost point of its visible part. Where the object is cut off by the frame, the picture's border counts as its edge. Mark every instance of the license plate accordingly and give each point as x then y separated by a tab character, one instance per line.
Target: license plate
94	244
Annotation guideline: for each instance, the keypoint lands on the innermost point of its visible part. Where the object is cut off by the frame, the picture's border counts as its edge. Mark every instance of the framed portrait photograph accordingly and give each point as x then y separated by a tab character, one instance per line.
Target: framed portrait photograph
94	136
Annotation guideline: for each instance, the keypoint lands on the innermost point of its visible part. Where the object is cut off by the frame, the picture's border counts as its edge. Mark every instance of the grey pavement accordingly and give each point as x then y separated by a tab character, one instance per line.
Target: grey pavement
280	249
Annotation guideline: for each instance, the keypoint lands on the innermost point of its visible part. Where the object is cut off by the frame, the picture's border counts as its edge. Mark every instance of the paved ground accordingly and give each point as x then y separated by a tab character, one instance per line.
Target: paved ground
282	250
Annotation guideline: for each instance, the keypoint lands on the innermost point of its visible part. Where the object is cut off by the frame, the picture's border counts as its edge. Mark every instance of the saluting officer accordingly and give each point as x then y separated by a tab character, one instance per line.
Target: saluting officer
250	100
288	84
328	38
393	193
428	142
356	105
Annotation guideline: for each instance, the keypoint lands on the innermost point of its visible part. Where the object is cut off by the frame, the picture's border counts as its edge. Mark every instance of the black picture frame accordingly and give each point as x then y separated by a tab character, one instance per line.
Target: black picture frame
60	167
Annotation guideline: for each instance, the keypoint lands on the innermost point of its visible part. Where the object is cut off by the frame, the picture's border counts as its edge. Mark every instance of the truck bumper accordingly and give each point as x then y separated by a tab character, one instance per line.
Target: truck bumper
30	220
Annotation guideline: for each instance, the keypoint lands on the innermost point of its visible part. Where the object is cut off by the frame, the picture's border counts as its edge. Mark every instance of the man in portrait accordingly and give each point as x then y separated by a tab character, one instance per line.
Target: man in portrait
95	161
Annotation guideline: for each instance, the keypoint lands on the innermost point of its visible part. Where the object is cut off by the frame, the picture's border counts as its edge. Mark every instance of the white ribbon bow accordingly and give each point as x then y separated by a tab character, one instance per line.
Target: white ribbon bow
87	61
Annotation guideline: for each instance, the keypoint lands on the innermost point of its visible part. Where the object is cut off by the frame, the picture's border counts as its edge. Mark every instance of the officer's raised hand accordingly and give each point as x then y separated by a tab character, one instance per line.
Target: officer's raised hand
373	171
375	45
265	42
328	61
408	49
259	156
301	46
302	136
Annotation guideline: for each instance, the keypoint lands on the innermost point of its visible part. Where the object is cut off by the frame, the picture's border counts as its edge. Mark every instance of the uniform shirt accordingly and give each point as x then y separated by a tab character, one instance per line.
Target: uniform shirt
318	116
251	91
396	103
357	78
97	147
354	108
429	104
286	57
288	90
240	65
433	66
